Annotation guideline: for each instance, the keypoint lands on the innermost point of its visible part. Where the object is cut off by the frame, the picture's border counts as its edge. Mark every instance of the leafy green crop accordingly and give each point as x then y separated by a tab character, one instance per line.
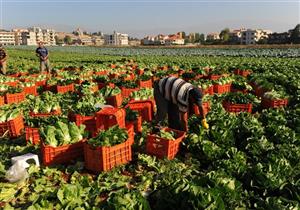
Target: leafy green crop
62	134
113	136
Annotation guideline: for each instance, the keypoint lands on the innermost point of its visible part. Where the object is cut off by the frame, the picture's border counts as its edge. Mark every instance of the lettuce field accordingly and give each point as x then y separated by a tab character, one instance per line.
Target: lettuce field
92	124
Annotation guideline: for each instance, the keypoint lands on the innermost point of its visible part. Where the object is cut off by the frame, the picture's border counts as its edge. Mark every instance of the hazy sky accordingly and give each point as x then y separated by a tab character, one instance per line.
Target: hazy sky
150	17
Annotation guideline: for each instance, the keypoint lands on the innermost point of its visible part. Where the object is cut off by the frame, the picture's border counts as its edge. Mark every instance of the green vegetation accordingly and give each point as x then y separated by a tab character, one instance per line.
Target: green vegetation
243	161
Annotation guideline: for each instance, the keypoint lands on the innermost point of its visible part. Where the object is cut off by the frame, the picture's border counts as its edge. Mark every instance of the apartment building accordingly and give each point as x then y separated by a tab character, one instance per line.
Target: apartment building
29	38
7	38
98	40
49	36
116	39
174	40
251	36
84	40
160	39
18	35
34	35
212	36
235	36
148	40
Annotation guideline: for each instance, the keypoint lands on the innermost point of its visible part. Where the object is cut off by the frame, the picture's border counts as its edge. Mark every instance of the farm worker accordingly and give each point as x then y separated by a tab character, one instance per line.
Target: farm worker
173	96
43	54
3	58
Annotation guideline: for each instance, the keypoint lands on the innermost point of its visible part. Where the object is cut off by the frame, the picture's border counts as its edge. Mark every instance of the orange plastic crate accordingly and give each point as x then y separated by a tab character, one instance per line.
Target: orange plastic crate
65	88
30	90
15	97
209	91
137	124
127	91
61	154
88	121
269	103
195	109
105	158
214	76
139	71
115	101
32	114
14	75
32	135
2	101
164	148
12	127
41	83
220	89
130	130
13	84
237	107
130	77
109	117
243	73
144	107
237	90
101	72
145	84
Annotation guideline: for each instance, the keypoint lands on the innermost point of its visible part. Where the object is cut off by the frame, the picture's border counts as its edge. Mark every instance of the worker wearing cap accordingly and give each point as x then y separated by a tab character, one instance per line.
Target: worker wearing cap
173	97
3	59
43	54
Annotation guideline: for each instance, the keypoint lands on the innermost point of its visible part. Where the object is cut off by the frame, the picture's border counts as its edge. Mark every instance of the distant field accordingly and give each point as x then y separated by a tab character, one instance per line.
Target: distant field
279	51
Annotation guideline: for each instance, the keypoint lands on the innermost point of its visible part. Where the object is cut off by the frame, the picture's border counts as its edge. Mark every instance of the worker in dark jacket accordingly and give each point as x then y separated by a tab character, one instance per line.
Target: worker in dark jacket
43	55
3	59
173	97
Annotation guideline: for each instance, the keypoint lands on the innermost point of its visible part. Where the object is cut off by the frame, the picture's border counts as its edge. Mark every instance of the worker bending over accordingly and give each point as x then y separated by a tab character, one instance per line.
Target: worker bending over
173	96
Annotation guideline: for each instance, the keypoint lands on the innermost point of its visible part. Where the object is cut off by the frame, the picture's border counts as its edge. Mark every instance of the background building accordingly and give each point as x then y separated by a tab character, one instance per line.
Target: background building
29	38
116	39
212	36
235	36
251	36
7	38
18	35
98	40
160	39
35	34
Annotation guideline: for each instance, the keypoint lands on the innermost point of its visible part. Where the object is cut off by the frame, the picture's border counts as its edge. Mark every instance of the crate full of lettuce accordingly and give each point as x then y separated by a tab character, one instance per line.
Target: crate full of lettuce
110	148
164	143
62	142
11	122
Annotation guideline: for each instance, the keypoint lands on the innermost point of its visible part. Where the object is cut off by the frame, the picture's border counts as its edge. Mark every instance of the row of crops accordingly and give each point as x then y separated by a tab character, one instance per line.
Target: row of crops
245	52
93	156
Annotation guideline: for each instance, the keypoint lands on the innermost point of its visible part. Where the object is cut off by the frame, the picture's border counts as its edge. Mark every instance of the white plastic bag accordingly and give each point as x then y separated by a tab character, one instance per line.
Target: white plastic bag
17	172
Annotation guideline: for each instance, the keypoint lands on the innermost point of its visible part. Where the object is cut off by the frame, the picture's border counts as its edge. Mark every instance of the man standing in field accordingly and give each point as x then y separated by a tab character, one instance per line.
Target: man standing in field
43	54
3	58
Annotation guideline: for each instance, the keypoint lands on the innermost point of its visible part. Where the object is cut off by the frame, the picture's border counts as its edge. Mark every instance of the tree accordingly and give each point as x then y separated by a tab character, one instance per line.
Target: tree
295	35
263	41
202	38
224	35
68	40
197	38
